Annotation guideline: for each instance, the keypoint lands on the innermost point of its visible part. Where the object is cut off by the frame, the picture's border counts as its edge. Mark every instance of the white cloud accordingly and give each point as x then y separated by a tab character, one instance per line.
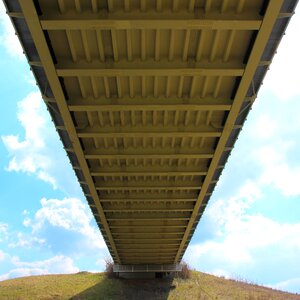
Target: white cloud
102	262
264	128
276	169
8	37
26	241
67	216
59	264
32	119
2	255
271	133
271	145
39	152
25	212
283	78
29	78
228	214
30	155
229	219
230	251
241	234
290	285
3	231
21	272
61	227
27	222
47	178
220	273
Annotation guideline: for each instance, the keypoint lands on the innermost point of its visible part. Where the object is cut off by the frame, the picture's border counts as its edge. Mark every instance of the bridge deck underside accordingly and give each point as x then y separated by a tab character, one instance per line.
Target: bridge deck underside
148	98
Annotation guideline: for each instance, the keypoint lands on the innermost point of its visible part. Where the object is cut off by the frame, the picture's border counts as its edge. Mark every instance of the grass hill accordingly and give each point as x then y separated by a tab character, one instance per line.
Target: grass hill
86	285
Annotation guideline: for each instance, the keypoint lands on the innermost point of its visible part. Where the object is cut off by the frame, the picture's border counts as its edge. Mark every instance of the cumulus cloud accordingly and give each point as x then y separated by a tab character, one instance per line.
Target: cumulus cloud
243	237
102	262
56	264
26	222
62	226
274	146
62	229
66	226
290	285
220	273
26	241
2	255
59	264
29	155
39	152
7	37
231	223
3	231
276	170
19	239
265	127
282	80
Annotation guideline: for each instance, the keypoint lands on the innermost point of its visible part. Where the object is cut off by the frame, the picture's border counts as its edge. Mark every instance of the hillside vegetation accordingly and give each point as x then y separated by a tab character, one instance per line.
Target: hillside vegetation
86	285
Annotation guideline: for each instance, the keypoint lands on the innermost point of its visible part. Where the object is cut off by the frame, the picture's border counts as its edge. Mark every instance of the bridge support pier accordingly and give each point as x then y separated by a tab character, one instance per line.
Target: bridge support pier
146	271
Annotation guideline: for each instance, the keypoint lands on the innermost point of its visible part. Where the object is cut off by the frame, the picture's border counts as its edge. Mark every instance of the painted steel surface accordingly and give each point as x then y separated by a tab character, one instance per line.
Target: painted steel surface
148	98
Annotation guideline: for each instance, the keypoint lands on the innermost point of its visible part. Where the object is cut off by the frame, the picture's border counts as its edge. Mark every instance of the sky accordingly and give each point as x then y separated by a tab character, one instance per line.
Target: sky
249	231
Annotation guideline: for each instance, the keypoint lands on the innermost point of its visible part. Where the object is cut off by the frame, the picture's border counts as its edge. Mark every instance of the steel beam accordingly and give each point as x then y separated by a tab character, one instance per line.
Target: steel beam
210	70
146	251
147	187
140	199
137	103
166	151
146	245
149	131
133	219
122	66
160	210
155	256
136	240
143	226
83	105
149	173
149	156
145	233
158	206
192	24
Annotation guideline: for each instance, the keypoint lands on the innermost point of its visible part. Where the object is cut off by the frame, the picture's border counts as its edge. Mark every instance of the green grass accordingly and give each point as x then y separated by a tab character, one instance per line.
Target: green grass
86	285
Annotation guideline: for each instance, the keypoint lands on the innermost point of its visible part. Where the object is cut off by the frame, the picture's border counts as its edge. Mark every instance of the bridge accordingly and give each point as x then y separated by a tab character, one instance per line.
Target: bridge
148	98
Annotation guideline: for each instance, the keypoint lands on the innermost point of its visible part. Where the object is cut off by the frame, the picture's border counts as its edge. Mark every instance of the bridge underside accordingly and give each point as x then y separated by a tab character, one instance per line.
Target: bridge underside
148	98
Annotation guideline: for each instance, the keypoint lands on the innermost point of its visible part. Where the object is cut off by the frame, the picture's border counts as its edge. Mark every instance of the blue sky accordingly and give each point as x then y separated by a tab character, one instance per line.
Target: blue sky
250	229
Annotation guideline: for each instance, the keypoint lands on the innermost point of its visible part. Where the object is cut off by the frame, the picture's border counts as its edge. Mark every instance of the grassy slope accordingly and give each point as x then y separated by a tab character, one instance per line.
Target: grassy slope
97	286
